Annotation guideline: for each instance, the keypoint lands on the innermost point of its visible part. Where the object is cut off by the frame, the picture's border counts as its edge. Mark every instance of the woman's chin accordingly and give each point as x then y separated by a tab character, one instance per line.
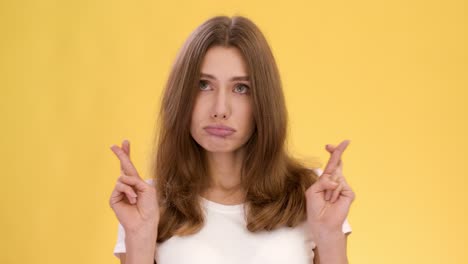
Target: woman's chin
219	148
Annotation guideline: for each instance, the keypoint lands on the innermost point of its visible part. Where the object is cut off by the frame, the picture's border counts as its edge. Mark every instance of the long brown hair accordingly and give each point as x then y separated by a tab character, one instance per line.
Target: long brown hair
274	182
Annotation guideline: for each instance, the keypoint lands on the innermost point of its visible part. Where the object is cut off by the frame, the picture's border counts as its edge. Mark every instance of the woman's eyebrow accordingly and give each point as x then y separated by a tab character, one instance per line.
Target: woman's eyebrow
235	78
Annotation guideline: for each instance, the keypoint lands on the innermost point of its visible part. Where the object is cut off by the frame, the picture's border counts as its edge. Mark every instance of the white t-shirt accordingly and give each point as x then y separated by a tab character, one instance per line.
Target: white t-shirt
224	238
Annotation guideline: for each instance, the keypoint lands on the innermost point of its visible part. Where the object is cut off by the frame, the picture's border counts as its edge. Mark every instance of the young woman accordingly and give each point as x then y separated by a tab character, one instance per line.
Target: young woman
225	189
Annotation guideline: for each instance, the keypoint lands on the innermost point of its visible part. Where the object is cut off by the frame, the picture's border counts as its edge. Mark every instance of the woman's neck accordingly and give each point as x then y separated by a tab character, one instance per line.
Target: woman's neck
225	177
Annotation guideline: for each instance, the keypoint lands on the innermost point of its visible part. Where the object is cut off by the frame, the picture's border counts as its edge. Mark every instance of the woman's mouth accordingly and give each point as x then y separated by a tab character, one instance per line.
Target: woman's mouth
219	130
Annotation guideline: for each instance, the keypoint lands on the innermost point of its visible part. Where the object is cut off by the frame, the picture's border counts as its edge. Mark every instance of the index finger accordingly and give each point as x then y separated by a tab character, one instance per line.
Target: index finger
125	162
335	157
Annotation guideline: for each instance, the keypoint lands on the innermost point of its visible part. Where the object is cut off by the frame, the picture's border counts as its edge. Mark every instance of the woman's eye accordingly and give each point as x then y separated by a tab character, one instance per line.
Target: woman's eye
203	84
243	88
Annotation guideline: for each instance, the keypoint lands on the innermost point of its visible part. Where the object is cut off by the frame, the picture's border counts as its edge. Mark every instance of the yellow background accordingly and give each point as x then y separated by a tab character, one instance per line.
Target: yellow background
391	76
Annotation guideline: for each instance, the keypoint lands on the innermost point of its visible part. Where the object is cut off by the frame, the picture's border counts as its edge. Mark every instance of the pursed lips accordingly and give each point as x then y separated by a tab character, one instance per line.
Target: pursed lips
219	130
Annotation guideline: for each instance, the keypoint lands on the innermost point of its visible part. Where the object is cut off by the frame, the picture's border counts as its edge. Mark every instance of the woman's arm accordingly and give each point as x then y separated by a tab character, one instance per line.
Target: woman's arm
140	248
328	203
137	213
122	258
332	250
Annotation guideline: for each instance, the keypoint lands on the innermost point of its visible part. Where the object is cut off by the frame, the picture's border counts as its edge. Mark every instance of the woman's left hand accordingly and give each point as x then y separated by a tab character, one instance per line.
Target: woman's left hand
330	197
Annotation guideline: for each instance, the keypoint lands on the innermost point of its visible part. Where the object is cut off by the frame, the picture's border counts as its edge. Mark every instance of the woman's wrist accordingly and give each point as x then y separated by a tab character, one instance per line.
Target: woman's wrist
143	231
331	246
322	236
141	246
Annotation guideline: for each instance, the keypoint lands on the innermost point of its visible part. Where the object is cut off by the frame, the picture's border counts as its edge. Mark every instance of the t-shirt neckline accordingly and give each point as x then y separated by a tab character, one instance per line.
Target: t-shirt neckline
235	208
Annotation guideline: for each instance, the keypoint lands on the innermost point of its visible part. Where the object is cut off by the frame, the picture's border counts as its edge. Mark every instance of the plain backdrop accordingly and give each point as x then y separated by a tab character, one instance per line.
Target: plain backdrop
391	76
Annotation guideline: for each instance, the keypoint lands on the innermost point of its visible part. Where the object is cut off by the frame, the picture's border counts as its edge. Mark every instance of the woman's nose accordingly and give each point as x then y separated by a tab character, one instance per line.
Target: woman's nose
221	108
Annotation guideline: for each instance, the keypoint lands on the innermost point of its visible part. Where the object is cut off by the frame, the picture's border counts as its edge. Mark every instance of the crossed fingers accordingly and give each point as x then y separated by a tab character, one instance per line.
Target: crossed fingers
333	170
123	154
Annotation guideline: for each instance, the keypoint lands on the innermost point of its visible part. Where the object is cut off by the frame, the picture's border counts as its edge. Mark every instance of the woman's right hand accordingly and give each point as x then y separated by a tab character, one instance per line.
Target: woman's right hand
133	200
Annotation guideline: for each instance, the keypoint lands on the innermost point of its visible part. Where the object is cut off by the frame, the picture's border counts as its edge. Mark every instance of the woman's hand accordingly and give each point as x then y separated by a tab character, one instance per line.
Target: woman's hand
330	197
133	200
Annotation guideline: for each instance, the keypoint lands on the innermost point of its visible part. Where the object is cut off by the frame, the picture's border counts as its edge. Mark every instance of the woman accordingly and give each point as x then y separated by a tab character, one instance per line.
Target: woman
226	189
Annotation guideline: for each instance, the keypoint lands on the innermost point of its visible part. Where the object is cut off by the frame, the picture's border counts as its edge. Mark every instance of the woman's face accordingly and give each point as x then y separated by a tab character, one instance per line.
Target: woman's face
222	119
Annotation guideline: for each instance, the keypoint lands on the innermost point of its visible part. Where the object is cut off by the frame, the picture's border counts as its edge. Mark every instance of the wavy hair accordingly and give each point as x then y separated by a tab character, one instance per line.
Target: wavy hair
274	182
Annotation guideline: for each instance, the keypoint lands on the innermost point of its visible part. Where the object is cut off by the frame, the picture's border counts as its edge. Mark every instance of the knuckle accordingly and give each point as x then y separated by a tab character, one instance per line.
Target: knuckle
126	179
324	177
122	187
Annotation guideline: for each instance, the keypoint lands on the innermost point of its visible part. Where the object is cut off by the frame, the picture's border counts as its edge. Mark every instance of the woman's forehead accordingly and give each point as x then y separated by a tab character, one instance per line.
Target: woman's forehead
224	63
